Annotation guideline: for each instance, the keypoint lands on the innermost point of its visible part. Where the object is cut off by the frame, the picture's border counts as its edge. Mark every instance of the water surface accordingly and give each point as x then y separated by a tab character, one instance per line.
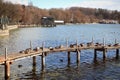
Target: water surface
55	69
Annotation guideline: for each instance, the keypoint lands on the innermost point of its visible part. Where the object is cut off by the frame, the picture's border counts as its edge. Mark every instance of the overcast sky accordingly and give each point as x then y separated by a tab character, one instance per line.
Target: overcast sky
105	4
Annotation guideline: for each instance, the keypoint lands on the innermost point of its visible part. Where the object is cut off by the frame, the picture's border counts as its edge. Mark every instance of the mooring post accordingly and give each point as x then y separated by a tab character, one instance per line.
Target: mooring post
103	41
77	43
115	41
95	55
43	62
78	57
7	66
92	39
30	45
43	44
117	53
68	58
67	43
5	54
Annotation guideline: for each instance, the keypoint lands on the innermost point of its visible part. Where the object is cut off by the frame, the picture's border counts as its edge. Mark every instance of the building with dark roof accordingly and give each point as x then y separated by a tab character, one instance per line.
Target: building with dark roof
47	21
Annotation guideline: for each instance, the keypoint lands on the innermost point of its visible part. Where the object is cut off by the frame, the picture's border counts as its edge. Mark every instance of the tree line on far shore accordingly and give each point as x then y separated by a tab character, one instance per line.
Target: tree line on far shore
32	15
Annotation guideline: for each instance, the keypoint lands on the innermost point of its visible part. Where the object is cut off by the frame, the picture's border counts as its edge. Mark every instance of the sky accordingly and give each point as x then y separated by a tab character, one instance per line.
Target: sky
47	4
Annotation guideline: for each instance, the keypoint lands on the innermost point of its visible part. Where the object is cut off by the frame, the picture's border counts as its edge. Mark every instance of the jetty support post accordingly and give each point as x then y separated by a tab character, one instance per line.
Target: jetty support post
77	53
7	70
7	66
34	67
43	62
43	58
34	60
78	57
104	54
95	55
117	53
68	59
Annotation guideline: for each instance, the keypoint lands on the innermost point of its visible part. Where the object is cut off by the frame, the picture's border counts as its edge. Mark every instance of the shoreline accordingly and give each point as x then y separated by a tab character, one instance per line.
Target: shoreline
35	25
25	26
6	32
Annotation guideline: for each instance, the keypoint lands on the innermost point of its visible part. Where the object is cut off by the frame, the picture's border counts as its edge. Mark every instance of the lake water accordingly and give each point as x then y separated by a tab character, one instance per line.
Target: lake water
55	68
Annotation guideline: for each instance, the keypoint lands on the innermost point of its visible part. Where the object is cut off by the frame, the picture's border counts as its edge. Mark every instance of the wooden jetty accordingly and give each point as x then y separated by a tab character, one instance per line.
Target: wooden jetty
8	59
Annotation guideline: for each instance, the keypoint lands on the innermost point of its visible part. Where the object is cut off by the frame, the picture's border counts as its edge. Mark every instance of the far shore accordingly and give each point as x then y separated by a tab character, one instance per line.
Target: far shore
38	25
12	27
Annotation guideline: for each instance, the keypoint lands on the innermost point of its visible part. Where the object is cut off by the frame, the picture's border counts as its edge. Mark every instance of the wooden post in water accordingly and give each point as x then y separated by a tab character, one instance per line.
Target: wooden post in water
68	59
7	70
34	60
95	55
43	59
34	67
43	62
34	72
117	53
7	66
78	57
104	54
78	53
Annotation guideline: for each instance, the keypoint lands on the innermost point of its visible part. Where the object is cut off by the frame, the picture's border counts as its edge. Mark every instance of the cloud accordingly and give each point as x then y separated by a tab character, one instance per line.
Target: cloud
25	2
105	4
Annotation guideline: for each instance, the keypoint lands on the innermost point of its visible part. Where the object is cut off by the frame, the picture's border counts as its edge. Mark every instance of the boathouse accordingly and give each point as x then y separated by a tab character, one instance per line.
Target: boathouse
47	21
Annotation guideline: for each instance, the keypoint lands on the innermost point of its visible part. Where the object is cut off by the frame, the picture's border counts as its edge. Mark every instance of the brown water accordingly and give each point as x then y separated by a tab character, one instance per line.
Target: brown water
55	68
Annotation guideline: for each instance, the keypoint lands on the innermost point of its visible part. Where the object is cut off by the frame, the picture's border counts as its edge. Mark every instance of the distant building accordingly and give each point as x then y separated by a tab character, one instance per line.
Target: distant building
108	21
47	21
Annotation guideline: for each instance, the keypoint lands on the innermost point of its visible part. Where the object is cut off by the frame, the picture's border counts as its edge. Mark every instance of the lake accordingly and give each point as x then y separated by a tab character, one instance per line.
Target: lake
56	69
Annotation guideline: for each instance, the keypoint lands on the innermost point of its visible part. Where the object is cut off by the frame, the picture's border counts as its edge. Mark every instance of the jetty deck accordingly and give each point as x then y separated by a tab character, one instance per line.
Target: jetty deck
36	52
25	53
6	59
